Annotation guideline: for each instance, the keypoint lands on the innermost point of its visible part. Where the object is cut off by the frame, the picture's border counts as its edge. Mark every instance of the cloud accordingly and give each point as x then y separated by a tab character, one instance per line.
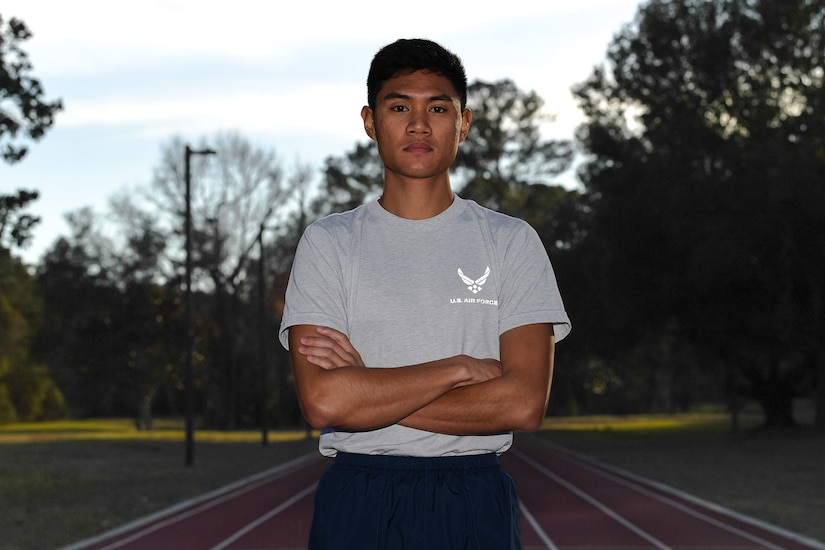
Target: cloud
94	36
313	110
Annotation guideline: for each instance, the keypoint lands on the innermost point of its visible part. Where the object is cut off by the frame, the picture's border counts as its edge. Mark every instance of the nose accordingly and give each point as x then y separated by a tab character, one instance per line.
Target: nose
418	123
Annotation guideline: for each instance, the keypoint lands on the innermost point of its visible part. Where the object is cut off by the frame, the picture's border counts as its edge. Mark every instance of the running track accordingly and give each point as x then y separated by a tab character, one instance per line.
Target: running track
567	501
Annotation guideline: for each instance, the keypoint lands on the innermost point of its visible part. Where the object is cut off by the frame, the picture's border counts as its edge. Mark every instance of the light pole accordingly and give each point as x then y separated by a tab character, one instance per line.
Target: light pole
188	377
262	332
261	336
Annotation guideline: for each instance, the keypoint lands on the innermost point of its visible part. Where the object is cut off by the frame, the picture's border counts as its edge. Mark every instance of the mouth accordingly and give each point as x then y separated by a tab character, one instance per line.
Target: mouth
418	147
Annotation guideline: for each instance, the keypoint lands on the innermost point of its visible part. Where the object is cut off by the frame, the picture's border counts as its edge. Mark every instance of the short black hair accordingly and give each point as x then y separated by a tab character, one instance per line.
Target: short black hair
406	56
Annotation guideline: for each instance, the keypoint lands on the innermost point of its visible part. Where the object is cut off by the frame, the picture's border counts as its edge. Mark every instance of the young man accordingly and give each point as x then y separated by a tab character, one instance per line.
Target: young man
421	330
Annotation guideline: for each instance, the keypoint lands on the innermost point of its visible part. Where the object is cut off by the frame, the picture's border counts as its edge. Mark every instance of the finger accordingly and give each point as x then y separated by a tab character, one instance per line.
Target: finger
336	336
321	361
324	355
343	341
331	353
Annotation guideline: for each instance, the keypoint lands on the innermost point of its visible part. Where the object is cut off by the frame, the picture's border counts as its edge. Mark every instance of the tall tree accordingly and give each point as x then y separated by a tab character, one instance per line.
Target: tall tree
111	336
505	162
235	195
23	110
27	391
23	107
708	154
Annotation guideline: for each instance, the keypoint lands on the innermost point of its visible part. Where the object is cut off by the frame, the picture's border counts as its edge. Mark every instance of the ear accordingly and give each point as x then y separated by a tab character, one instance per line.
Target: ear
466	120
369	121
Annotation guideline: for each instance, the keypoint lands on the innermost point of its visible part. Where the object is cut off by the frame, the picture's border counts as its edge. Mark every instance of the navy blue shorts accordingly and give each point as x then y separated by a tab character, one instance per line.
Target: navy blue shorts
368	502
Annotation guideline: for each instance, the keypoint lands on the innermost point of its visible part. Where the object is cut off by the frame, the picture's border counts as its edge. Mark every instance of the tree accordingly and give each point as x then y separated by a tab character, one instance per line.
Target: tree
351	180
236	195
27	390
15	224
708	151
504	163
112	341
23	108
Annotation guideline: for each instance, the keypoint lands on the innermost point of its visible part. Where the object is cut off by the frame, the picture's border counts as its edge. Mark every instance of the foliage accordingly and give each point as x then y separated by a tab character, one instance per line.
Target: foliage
706	185
23	109
15	224
504	162
111	342
116	327
351	180
27	391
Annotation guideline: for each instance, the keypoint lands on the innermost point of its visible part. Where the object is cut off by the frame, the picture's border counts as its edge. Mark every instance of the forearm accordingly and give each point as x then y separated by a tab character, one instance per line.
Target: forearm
457	395
517	400
500	405
356	398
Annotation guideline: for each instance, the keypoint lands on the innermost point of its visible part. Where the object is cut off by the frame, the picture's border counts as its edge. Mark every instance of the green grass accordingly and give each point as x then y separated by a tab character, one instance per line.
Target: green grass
123	429
70	481
63	482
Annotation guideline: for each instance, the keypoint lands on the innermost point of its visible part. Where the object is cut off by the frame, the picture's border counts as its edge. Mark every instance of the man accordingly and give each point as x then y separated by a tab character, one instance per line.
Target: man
421	331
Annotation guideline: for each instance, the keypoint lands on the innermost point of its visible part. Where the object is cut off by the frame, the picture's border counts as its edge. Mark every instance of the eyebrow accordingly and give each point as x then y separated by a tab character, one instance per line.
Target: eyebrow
396	95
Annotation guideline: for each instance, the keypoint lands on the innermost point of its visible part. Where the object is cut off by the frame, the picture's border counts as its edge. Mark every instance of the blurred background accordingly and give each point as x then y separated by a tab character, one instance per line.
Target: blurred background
671	155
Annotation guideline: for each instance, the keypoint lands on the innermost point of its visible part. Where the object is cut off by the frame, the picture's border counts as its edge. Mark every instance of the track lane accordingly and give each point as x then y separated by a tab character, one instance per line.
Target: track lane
284	527
207	521
662	516
567	501
566	517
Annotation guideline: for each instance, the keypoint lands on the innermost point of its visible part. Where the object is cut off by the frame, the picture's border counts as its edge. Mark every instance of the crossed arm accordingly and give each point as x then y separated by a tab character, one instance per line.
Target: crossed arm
458	395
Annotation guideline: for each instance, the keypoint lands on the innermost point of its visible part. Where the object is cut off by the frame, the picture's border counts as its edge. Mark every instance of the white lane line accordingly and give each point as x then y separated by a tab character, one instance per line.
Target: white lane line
181	511
182	516
536	527
581	494
271	514
638	486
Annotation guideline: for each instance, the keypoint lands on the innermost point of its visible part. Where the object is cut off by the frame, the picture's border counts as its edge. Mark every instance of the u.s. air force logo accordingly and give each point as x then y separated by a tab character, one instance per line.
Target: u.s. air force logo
474	285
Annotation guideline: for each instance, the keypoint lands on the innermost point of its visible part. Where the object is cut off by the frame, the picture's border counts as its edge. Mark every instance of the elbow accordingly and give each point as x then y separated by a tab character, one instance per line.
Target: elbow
319	411
316	418
528	408
529	417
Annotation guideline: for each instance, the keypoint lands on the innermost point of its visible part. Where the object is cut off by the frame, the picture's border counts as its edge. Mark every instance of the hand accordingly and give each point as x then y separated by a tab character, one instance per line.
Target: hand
331	349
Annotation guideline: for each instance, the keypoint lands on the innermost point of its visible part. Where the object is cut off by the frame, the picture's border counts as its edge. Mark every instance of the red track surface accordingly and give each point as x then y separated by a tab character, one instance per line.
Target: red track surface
567	502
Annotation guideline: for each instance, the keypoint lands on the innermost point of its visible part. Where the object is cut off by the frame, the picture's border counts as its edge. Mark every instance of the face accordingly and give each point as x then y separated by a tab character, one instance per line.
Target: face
418	124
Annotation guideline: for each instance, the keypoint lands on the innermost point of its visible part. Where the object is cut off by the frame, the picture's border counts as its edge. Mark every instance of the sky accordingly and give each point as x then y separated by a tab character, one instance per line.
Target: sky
286	76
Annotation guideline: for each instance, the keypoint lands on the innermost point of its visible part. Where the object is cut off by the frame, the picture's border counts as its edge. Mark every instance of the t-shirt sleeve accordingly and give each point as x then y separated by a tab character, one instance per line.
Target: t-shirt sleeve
315	294
530	293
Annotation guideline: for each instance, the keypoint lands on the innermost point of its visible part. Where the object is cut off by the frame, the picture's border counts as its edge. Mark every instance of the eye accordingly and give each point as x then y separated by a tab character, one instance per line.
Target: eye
398	108
439	109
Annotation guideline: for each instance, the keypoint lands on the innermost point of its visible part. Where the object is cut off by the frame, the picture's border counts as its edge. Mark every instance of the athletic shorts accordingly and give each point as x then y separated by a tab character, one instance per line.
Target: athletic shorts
369	502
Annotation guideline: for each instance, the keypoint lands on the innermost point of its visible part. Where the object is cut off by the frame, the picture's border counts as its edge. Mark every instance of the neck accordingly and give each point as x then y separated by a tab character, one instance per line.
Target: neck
417	200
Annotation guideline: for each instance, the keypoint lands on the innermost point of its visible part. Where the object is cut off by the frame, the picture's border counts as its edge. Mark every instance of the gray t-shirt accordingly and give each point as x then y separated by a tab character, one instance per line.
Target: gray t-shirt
411	291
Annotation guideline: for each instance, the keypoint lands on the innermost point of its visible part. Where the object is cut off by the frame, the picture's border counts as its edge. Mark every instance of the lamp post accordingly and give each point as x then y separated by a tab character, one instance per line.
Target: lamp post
262	332
188	377
261	336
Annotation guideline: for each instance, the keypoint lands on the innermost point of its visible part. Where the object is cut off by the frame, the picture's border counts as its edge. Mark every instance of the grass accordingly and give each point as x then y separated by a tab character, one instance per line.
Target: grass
62	482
